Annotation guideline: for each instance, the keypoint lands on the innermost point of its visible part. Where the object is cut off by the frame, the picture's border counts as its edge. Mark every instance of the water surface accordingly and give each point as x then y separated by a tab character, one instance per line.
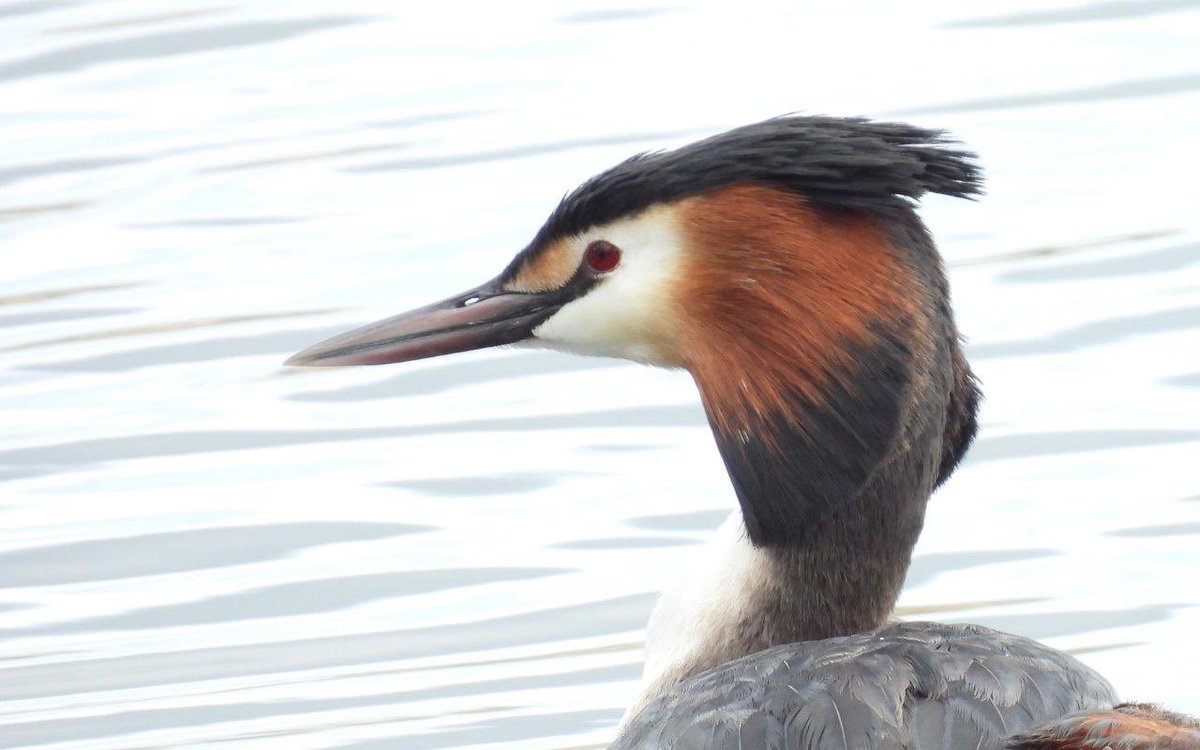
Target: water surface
205	550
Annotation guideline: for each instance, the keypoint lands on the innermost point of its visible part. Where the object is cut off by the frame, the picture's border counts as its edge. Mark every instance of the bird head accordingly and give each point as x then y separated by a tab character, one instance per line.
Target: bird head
783	265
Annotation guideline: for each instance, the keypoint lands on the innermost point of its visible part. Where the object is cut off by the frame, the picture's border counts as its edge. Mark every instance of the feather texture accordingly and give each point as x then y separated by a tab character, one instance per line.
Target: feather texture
1129	726
910	686
832	161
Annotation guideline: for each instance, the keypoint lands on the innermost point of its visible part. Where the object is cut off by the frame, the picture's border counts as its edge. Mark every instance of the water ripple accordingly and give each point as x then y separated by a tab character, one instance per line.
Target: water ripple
507	729
1072	441
1132	89
169	44
1186	528
142	330
291	599
600	617
445	377
699	520
1043	625
58	316
33	7
86	452
1097	11
1154	261
626	542
1094	333
179	551
144	720
927	567
516	152
513	483
11	175
204	350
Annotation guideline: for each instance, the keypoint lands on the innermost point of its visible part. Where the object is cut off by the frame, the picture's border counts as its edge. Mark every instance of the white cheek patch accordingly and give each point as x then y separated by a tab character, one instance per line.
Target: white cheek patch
629	313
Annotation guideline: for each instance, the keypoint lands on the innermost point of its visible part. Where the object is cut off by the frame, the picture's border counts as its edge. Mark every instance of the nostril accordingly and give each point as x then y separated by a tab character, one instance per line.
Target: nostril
471	300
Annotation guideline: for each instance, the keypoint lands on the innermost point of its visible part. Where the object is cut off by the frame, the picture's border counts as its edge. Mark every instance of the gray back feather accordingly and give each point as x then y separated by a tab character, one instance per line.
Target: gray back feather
916	686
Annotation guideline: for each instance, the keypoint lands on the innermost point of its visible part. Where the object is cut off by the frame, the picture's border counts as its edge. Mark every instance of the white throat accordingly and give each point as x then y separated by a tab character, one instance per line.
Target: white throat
631	312
701	620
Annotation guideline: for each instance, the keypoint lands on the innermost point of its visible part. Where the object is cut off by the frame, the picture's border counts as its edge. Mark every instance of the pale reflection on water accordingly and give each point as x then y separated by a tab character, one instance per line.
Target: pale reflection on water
202	549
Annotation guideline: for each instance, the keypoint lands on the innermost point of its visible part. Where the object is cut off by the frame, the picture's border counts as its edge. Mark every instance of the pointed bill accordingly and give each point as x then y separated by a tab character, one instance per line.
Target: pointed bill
480	318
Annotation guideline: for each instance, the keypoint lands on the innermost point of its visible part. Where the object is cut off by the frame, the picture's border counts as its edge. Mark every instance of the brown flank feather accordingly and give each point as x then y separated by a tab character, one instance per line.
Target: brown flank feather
1129	726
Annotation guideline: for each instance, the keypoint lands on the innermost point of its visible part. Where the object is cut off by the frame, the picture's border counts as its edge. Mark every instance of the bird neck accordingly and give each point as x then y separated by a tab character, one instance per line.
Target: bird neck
732	599
833	442
828	362
737	598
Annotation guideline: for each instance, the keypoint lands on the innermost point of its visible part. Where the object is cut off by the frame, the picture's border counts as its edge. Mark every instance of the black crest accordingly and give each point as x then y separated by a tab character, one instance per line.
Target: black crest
831	161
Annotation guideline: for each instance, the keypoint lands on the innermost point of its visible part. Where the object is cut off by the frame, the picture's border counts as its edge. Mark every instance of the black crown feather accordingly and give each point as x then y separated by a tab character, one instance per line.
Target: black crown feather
831	161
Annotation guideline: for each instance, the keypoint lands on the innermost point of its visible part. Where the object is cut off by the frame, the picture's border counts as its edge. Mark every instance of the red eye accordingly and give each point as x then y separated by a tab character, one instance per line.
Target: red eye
602	256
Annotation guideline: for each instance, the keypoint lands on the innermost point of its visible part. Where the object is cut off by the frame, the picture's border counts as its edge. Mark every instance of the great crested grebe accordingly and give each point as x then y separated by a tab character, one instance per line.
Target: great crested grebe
784	266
